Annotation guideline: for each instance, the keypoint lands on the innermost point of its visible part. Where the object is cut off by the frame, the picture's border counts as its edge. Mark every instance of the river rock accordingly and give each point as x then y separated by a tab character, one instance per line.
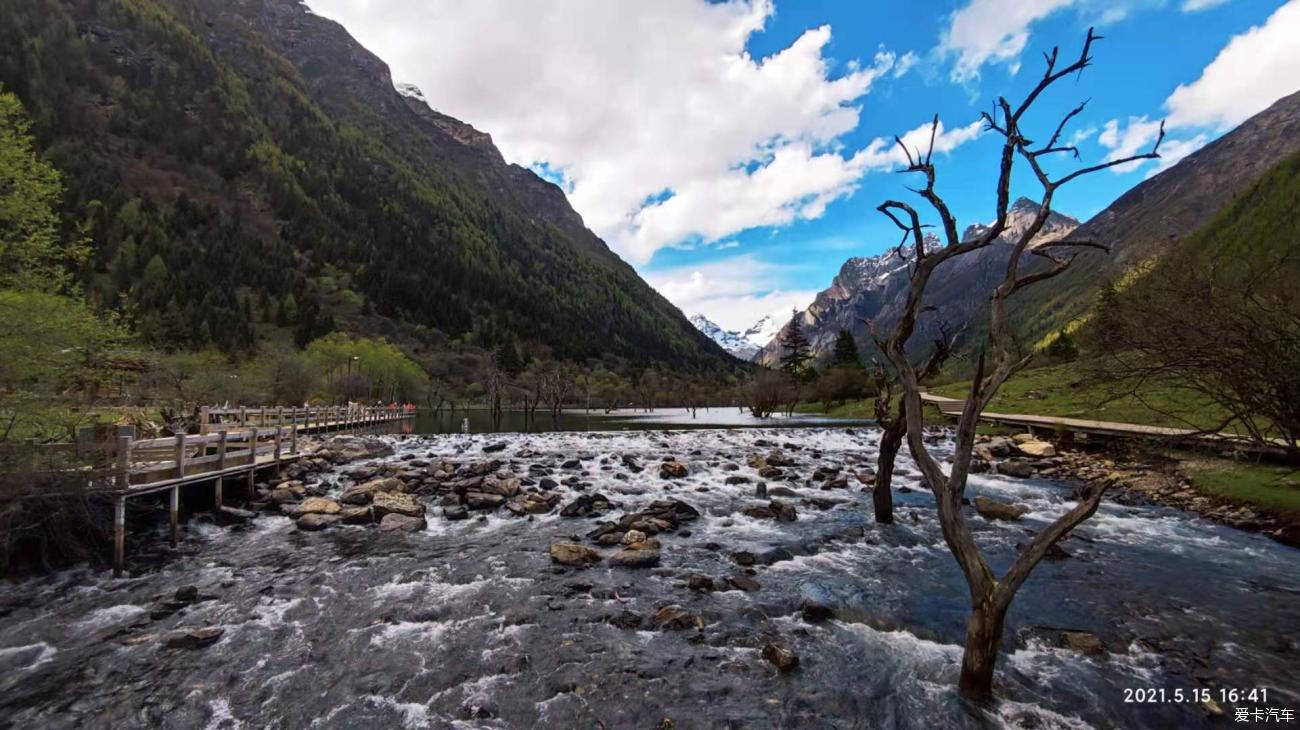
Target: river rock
1019	468
578	556
357	515
455	512
759	512
736	479
777	458
351	448
784	511
195	639
635	557
1036	449
316	521
700	582
672	470
386	503
483	500
587	504
675	618
505	485
632	537
1084	642
784	659
814	612
227	516
533	503
364	493
394	522
317	505
743	583
994	509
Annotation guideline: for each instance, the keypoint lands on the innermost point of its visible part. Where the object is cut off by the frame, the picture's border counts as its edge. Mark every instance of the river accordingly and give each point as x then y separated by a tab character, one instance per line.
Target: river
469	624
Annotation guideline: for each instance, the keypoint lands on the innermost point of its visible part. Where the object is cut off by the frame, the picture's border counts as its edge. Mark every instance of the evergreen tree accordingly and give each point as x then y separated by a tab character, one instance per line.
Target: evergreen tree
796	350
845	354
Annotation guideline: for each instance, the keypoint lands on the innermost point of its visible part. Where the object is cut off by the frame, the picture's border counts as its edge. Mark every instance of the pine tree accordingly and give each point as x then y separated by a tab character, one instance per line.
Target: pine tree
845	354
796	350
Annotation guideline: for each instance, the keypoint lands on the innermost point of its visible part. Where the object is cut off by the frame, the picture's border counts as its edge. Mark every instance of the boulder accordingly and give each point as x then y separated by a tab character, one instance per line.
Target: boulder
227	516
316	521
784	511
675	618
743	583
759	512
503	484
814	612
1019	468
481	500
672	470
281	496
317	505
356	515
699	582
1084	642
994	509
635	557
736	479
386	503
632	537
578	556
1036	449
195	639
455	512
394	522
365	492
351	448
587	504
784	659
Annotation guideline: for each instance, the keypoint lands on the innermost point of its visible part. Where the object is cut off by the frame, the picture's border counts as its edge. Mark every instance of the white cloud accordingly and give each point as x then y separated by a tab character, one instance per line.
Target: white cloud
905	63
734	292
1133	138
663	126
884	154
1255	69
987	31
1195	6
1173	150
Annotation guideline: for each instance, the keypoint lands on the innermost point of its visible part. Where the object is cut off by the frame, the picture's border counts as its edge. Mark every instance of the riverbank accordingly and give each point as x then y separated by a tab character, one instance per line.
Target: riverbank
479	617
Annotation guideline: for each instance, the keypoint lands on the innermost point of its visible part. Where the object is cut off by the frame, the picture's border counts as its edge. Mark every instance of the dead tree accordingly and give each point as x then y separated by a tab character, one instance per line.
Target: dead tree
893	425
990	596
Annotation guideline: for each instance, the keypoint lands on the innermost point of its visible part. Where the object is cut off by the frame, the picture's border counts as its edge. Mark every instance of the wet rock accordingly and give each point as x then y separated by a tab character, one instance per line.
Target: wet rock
548	484
782	492
635	557
1054	551
736	479
700	582
532	503
759	512
1019	468
587	504
675	618
365	493
771	472
484	501
317	505
743	583
503	484
281	496
227	516
395	522
777	458
744	557
627	620
195	639
574	555
632	537
784	659
351	448
455	512
316	521
186	594
1084	642
386	503
356	515
775	555
672	470
631	464
784	511
814	612
492	448
994	509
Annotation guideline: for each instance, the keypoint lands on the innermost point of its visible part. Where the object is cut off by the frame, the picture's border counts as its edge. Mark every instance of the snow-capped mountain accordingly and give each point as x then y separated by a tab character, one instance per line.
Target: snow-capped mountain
737	343
874	286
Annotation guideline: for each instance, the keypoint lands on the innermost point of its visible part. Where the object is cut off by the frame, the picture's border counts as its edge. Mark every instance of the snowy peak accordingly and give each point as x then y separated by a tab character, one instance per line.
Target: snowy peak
1020	216
729	340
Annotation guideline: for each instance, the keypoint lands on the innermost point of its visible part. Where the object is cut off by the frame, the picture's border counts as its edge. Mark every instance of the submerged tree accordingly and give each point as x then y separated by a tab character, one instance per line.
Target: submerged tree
999	355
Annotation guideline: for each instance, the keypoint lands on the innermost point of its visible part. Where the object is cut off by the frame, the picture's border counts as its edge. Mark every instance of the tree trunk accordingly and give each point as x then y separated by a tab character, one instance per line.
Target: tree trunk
983	634
882	493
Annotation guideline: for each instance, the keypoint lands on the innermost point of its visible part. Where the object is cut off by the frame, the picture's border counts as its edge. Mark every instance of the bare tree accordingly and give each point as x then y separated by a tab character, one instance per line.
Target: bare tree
990	596
557	383
494	381
764	392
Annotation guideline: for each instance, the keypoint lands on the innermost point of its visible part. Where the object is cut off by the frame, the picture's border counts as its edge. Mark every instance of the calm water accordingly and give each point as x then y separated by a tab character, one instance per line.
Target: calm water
468	624
479	421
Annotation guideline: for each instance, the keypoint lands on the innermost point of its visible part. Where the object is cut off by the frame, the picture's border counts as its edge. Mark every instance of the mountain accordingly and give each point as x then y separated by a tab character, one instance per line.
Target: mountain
1158	213
245	167
729	340
875	287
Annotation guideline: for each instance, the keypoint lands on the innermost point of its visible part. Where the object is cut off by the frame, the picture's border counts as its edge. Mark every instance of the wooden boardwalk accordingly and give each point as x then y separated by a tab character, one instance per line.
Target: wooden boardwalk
1068	427
231	443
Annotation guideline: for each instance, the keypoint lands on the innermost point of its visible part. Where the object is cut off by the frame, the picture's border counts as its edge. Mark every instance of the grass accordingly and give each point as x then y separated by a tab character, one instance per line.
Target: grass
1272	489
1067	390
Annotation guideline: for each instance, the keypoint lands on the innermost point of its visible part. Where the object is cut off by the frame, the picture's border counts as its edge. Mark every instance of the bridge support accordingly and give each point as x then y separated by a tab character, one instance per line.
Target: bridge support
176	516
119	536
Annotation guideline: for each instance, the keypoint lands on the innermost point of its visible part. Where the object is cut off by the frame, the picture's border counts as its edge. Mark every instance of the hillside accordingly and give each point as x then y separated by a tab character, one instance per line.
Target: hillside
242	163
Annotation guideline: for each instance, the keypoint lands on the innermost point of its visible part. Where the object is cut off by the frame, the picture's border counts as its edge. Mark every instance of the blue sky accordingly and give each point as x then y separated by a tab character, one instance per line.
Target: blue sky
735	151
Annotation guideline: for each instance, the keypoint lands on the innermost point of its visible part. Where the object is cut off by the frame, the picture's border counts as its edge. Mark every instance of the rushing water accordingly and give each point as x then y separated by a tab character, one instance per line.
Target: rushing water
468	624
480	421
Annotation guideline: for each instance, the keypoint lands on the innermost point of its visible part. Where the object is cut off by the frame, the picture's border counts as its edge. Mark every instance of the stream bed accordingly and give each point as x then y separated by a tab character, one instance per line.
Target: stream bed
470	624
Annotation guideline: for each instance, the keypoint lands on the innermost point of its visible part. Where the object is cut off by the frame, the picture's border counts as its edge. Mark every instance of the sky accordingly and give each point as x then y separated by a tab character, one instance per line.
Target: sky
734	151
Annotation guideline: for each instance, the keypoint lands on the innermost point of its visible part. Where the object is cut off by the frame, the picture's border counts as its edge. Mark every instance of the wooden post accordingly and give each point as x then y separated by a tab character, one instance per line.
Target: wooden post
293	433
119	535
203	421
252	463
278	430
261	416
180	455
123	462
279	416
222	435
243	417
176	515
